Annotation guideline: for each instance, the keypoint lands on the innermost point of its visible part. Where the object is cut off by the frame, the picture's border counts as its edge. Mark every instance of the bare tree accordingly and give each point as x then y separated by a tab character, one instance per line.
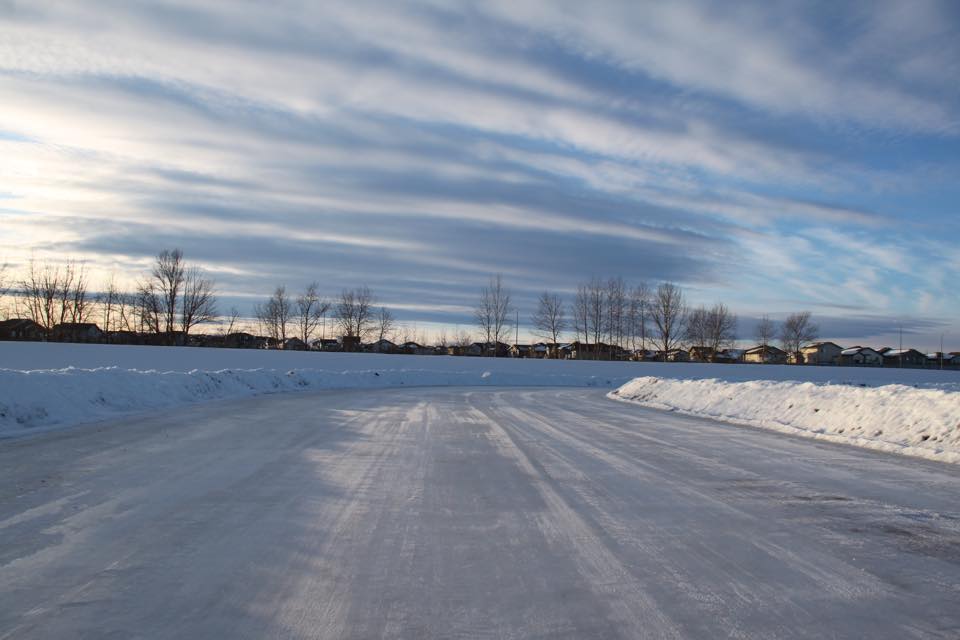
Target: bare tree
385	324
311	310
76	302
167	279
354	313
39	288
462	339
697	327
109	300
4	289
581	314
233	319
638	315
148	309
274	315
596	306
721	329
198	302
549	320
126	311
796	331
493	312
615	314
668	311
765	333
55	294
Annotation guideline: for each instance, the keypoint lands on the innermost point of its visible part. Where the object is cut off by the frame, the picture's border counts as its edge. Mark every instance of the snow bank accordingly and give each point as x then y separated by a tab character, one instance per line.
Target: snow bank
41	399
923	422
46	385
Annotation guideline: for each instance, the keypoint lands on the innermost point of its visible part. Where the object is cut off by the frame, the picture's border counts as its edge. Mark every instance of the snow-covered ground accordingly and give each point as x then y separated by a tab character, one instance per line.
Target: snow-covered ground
48	385
923	422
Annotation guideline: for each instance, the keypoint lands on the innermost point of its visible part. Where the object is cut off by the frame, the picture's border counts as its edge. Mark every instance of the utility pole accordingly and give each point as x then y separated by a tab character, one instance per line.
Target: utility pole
901	346
941	351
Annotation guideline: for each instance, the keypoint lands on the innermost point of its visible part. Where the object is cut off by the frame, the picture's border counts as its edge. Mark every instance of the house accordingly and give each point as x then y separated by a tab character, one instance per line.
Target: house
125	337
861	357
543	350
702	354
765	355
475	349
294	344
205	340
415	349
730	356
643	355
821	353
382	346
521	351
165	338
903	358
676	355
501	350
242	340
350	343
21	329
76	332
586	351
938	360
325	344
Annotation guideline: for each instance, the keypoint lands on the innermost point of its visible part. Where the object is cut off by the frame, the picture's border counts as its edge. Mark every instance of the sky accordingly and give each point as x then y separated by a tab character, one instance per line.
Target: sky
775	156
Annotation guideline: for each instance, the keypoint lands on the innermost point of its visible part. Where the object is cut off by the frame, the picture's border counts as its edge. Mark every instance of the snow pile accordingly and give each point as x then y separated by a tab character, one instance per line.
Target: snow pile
923	422
40	399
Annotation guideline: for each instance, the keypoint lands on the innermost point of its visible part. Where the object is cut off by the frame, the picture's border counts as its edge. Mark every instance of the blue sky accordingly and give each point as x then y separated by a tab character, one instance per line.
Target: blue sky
777	156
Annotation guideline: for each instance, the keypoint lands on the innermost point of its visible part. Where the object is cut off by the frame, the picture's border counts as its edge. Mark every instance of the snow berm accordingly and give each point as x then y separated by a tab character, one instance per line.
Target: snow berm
922	422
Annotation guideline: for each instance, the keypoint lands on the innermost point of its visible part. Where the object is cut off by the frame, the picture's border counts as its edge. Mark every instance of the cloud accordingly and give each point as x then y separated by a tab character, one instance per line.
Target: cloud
418	147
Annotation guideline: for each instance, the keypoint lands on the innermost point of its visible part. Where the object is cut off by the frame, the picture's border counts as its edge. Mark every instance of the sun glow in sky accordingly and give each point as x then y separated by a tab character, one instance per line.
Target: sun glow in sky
775	156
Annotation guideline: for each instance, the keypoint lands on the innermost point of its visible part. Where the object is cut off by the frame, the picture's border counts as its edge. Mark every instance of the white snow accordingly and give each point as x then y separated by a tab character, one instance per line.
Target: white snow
50	385
916	421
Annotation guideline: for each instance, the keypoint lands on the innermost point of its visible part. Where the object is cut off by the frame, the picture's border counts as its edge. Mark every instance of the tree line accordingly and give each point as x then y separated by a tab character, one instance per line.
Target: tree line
613	314
174	297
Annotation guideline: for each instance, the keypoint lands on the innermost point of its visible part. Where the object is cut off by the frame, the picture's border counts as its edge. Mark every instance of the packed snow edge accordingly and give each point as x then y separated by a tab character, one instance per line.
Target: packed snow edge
39	400
921	422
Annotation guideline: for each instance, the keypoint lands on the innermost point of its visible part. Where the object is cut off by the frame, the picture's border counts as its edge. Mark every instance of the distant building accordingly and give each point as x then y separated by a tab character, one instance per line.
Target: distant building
293	344
521	351
861	357
21	329
415	349
325	344
821	353
702	354
76	332
243	340
350	343
730	356
903	358
382	346
768	354
677	355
